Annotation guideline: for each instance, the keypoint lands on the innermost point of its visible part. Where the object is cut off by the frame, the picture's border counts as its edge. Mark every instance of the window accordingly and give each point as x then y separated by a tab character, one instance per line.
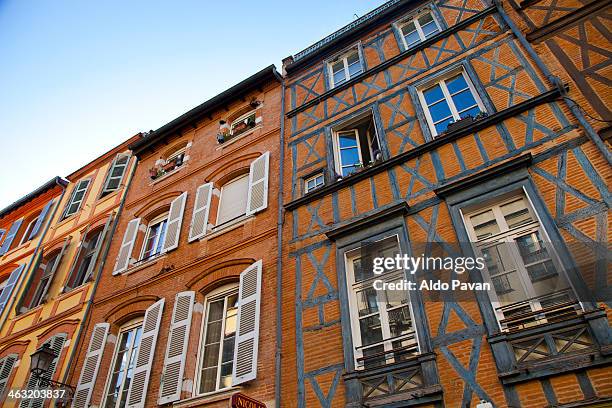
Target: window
449	100
115	174
356	145
26	234
233	200
521	266
85	262
155	237
219	335
381	320
344	67
243	123
169	162
122	368
313	182
42	279
418	29
76	199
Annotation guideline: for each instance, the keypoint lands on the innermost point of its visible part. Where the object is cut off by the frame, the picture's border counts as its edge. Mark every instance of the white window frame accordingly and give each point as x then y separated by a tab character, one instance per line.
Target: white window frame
344	58
314	178
447	97
27	231
236	219
417	25
131	325
157	220
349	256
508	235
222	292
252	112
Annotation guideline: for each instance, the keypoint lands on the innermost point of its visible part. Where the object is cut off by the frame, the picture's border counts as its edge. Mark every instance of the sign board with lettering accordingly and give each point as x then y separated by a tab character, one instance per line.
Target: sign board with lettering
240	400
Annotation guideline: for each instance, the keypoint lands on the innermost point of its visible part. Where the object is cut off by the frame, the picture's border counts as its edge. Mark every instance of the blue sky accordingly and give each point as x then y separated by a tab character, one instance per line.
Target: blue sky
79	77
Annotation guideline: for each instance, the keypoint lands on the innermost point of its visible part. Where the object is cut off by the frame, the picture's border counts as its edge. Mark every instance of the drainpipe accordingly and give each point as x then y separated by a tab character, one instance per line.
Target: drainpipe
556	81
98	274
26	270
279	255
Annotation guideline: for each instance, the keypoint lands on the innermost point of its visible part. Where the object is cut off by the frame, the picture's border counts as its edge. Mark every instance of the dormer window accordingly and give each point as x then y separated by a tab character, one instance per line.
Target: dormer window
344	67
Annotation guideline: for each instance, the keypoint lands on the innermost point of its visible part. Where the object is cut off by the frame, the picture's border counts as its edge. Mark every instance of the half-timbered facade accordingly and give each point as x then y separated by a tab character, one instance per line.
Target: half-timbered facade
179	317
433	128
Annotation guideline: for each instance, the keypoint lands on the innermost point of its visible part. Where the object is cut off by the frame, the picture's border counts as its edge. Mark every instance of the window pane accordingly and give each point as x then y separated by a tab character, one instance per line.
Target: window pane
366	301
349	156
433	94
464	100
443	125
209	379
370	329
353	58
354	69
439	111
339	77
516	213
429	29
399	321
347	139
412	38
484	224
456	84
473	112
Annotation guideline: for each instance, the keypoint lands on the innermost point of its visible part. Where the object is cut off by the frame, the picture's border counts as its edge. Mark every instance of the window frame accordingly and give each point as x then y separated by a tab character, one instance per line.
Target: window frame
343	55
87	182
352	290
508	235
105	187
441	80
155	221
89	250
314	177
133	324
335	132
413	18
44	288
252	112
28	230
222	292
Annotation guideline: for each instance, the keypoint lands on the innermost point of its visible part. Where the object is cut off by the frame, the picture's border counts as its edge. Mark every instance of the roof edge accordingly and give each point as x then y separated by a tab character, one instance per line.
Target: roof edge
56	181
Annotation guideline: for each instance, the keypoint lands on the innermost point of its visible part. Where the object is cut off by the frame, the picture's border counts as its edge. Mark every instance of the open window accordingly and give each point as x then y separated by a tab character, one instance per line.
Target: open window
170	161
528	283
154	237
76	198
115	174
84	263
356	145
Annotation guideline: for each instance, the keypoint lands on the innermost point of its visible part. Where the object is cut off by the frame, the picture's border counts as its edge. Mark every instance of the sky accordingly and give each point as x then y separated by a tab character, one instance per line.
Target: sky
79	77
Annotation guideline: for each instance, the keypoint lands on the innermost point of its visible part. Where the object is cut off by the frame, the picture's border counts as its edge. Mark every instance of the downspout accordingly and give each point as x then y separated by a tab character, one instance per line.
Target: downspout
98	275
26	270
556	81
279	255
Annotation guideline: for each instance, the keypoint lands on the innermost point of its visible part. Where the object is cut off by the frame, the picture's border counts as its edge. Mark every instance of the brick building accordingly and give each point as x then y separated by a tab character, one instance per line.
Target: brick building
51	305
435	128
179	313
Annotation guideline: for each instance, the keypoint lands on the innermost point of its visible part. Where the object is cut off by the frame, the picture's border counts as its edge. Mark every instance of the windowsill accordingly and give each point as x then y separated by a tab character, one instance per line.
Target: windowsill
165	176
198	400
239	137
109	195
65	220
143	265
229	226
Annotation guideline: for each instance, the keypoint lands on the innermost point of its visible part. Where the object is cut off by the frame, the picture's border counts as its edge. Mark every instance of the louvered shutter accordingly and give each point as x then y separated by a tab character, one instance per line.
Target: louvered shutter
10	284
51	272
115	173
146	350
258	184
247	331
10	236
76	200
94	258
56	343
175	219
89	372
125	252
77	258
40	220
2	232
176	350
201	209
6	367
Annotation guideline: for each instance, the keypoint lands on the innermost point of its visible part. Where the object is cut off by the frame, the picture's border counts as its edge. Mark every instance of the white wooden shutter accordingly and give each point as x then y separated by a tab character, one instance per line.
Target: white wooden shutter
144	360
125	252
175	219
258	184
247	331
176	350
57	344
6	367
53	268
201	209
89	372
41	218
10	236
233	201
10	284
94	258
115	173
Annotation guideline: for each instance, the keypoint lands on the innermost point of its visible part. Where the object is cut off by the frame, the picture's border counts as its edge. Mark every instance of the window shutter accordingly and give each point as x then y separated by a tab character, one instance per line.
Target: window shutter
77	197
233	200
10	236
115	173
142	369
247	332
96	254
258	184
2	232
6	367
50	272
10	284
125	252
56	343
40	220
176	350
90	366
77	258
201	209
175	219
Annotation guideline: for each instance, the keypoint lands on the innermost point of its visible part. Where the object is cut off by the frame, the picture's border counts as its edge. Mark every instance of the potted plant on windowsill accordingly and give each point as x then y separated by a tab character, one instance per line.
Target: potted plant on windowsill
169	166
